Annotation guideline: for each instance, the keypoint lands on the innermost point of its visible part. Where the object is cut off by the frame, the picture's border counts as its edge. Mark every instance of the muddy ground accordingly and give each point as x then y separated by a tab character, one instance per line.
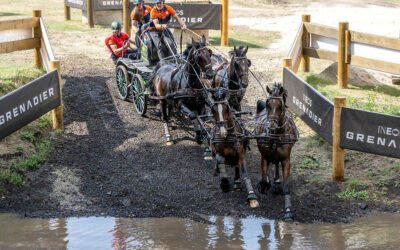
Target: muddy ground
112	162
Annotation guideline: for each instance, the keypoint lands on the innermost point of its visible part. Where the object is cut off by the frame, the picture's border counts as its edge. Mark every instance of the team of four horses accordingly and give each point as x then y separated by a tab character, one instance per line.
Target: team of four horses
208	89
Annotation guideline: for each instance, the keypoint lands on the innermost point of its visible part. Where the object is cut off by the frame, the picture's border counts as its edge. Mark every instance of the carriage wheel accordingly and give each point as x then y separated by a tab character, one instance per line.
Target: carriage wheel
121	76
138	96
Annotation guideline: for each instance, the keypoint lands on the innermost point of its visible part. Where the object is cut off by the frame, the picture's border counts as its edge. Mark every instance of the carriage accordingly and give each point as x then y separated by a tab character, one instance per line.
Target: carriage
133	75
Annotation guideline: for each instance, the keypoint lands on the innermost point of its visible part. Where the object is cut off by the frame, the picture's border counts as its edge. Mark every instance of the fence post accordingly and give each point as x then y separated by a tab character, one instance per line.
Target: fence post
342	66
224	22
58	111
126	17
37	59
305	60
337	151
286	63
67	13
90	12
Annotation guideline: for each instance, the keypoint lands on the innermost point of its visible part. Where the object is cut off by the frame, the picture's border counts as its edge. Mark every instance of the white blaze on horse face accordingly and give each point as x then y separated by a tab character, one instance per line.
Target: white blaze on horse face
221	119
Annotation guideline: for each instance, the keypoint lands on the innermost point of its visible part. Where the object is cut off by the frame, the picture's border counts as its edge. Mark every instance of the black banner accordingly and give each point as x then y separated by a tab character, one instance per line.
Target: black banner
78	4
195	15
312	107
28	103
370	132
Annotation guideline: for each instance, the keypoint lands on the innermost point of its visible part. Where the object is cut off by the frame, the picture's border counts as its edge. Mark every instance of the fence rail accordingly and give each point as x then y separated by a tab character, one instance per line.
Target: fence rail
30	33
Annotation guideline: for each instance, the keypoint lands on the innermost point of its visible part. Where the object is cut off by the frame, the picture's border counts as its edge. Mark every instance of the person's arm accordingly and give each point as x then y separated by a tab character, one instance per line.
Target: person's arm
131	41
179	20
158	25
115	50
134	25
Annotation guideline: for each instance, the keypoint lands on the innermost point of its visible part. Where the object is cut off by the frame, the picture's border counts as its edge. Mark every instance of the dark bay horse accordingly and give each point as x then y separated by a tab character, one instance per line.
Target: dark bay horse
229	146
276	134
181	86
233	75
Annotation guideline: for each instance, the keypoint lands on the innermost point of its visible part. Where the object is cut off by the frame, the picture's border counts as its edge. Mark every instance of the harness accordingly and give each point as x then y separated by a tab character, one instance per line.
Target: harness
266	134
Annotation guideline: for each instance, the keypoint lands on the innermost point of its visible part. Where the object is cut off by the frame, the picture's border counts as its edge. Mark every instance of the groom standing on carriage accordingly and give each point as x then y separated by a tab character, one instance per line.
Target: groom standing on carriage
161	15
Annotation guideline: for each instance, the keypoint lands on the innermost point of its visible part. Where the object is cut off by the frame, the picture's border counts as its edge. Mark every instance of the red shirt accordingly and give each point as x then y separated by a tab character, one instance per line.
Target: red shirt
164	15
119	41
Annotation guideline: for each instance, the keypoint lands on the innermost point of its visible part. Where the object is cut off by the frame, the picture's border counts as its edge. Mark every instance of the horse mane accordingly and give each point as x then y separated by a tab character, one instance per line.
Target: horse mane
240	51
189	46
261	105
277	88
138	15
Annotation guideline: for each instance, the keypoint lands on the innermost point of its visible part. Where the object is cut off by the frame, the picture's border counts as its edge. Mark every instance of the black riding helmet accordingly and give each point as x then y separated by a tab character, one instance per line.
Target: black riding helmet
115	26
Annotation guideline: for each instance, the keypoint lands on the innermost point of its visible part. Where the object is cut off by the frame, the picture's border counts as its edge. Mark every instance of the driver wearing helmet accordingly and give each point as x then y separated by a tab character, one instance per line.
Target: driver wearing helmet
161	15
118	43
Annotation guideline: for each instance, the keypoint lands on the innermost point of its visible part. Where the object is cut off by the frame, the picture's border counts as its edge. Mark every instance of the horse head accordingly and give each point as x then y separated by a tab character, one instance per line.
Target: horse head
239	66
200	57
276	107
221	111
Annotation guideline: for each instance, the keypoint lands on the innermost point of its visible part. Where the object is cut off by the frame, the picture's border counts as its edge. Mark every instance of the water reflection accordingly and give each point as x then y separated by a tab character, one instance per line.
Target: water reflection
376	231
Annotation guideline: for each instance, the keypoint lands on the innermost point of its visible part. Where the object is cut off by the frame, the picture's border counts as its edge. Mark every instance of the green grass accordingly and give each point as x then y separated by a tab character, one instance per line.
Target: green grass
380	99
308	163
354	189
15	76
30	160
242	35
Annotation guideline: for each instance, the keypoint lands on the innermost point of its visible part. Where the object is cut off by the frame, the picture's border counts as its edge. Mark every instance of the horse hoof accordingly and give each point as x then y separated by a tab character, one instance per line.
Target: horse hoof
263	187
225	185
254	203
170	143
237	186
207	155
288	216
277	188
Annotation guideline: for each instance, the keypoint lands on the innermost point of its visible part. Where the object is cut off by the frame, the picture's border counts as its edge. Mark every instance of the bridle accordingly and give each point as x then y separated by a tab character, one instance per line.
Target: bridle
275	119
203	69
237	59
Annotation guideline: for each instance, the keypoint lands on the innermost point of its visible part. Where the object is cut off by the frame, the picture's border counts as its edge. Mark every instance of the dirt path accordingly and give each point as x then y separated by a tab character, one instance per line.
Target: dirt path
112	162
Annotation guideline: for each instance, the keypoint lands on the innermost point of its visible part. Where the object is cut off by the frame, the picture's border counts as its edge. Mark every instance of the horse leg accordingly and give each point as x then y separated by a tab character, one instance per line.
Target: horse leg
197	130
207	151
277	185
264	185
237	186
169	113
223	175
286	192
251	195
168	136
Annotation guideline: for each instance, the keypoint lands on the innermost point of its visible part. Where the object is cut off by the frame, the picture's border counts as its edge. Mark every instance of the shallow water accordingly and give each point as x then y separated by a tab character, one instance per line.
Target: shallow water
377	231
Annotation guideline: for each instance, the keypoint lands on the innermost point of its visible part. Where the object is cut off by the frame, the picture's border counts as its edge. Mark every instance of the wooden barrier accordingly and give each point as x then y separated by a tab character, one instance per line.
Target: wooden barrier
345	54
90	12
345	39
224	23
305	60
126	17
342	73
43	53
67	13
286	63
337	151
